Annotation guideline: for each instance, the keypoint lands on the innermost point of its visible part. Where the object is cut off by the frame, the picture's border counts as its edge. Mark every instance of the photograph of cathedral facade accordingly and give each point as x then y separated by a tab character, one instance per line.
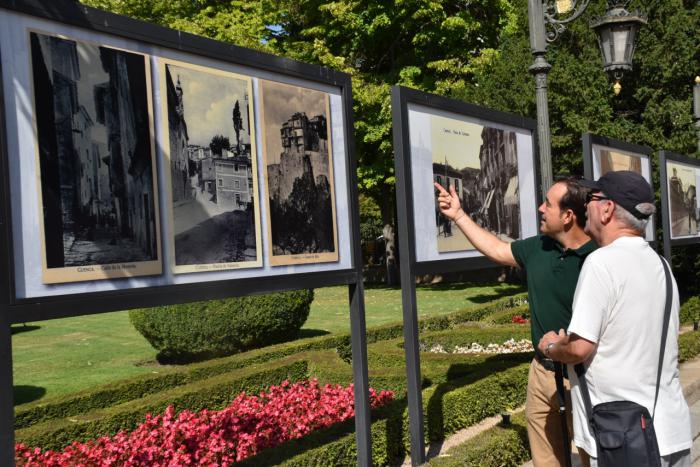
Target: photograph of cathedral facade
213	175
683	200
298	160
96	160
481	163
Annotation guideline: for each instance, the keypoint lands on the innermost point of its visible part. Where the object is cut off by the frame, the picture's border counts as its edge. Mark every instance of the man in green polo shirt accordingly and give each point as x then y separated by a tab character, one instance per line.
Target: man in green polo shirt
552	262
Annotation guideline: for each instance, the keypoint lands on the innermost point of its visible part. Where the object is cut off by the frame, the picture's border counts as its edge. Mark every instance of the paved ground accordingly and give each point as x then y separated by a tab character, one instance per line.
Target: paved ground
690	380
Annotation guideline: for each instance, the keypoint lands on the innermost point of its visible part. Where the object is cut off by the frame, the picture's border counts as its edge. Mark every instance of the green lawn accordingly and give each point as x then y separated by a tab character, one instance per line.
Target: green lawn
66	355
330	309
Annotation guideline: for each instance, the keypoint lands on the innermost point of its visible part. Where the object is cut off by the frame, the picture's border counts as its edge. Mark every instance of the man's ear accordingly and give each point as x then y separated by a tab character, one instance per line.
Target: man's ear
608	212
569	217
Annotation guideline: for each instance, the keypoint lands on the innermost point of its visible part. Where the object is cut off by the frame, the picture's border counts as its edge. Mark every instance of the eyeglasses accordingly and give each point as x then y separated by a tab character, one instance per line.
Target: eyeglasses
592	197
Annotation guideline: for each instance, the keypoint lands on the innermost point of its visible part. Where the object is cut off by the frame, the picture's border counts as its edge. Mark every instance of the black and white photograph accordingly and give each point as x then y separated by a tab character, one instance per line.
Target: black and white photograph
683	201
213	173
299	174
481	163
96	159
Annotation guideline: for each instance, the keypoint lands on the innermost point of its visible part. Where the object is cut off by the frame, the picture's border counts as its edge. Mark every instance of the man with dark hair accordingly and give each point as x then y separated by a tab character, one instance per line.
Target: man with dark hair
552	262
618	317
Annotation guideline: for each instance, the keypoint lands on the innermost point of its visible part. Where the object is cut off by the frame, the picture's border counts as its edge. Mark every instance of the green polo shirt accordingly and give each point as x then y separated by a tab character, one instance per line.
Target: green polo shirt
552	273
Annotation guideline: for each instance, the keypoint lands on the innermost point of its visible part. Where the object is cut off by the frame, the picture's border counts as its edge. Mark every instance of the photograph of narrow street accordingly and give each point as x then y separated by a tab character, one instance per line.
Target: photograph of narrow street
213	177
93	120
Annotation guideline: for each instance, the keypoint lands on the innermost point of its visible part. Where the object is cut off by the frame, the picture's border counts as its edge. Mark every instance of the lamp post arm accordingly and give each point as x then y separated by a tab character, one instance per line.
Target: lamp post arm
557	26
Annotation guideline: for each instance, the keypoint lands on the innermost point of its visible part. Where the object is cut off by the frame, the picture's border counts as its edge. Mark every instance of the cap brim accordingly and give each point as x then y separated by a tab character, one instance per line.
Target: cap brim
590	184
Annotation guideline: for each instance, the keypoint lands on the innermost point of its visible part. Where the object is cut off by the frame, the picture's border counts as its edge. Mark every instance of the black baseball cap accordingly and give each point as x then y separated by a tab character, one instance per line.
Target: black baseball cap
626	188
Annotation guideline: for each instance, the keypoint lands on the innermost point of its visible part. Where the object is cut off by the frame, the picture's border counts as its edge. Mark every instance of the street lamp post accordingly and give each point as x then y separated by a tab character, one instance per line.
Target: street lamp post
547	19
696	106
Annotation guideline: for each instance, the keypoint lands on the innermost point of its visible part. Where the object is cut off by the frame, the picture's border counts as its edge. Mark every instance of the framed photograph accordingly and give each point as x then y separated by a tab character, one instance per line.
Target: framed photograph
680	208
96	158
212	159
485	155
297	152
602	155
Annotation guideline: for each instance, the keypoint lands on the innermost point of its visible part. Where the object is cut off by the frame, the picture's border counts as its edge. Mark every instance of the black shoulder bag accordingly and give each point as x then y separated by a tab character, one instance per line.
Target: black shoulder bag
623	430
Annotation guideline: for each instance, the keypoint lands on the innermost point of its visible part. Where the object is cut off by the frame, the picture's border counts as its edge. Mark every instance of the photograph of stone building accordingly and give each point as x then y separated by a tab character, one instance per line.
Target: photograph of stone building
481	163
213	175
683	200
95	153
299	174
612	161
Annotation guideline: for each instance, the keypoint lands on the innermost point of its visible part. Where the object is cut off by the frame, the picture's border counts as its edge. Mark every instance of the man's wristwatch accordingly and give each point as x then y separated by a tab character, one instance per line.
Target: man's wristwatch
548	348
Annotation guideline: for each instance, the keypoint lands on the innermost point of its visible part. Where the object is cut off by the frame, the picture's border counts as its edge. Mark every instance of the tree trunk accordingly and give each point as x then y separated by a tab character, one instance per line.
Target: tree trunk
391	254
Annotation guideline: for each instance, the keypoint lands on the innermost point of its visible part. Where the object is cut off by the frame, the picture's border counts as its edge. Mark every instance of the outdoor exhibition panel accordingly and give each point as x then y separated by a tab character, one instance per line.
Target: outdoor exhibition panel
602	155
488	157
680	209
140	158
144	166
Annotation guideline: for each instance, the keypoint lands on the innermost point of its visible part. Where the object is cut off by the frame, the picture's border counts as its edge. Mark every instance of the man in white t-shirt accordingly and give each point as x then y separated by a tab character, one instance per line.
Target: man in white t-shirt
618	316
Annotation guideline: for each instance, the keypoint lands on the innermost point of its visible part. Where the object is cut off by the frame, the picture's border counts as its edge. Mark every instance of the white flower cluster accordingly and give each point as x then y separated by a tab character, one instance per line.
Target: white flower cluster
509	346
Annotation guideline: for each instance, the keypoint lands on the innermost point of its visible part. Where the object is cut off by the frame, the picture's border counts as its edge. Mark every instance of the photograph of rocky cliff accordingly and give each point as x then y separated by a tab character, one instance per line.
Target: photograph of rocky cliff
299	174
95	153
213	172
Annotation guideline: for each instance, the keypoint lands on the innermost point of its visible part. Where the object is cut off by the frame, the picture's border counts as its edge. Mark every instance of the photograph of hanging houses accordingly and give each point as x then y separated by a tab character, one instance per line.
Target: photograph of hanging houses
683	202
299	171
213	174
96	160
481	163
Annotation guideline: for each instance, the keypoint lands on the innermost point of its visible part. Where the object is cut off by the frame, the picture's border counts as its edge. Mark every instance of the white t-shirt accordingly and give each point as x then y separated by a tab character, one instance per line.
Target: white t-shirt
619	304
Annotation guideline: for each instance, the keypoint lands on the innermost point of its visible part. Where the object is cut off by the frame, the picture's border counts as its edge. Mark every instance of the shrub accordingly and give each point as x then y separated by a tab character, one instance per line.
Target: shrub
497	447
202	330
690	310
248	425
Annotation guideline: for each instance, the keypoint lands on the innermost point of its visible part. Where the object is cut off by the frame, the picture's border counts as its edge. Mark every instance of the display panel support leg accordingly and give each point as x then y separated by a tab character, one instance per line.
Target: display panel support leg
411	349
358	333
7	411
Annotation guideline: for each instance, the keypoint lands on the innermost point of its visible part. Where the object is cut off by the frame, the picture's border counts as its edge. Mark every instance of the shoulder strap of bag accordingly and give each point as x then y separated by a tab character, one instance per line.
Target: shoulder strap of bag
664	332
581	370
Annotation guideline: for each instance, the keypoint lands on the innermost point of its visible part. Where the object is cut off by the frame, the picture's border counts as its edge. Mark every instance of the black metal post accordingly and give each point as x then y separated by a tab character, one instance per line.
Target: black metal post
665	214
408	284
540	68
360	374
7	412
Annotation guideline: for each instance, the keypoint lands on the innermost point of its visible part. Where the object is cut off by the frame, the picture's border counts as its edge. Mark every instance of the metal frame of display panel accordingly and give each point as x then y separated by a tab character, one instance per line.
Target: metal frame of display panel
401	97
664	157
589	140
16	310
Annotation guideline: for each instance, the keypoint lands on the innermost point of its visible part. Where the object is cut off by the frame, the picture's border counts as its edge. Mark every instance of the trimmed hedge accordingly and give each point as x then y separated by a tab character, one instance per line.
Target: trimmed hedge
688	346
390	435
500	446
690	310
506	316
214	328
214	393
109	401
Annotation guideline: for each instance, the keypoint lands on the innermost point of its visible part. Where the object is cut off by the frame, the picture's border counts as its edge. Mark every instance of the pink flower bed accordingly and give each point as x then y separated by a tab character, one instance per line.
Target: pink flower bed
244	428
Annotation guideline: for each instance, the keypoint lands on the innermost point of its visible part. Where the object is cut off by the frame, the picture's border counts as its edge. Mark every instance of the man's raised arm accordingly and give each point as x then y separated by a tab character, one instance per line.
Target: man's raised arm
487	243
